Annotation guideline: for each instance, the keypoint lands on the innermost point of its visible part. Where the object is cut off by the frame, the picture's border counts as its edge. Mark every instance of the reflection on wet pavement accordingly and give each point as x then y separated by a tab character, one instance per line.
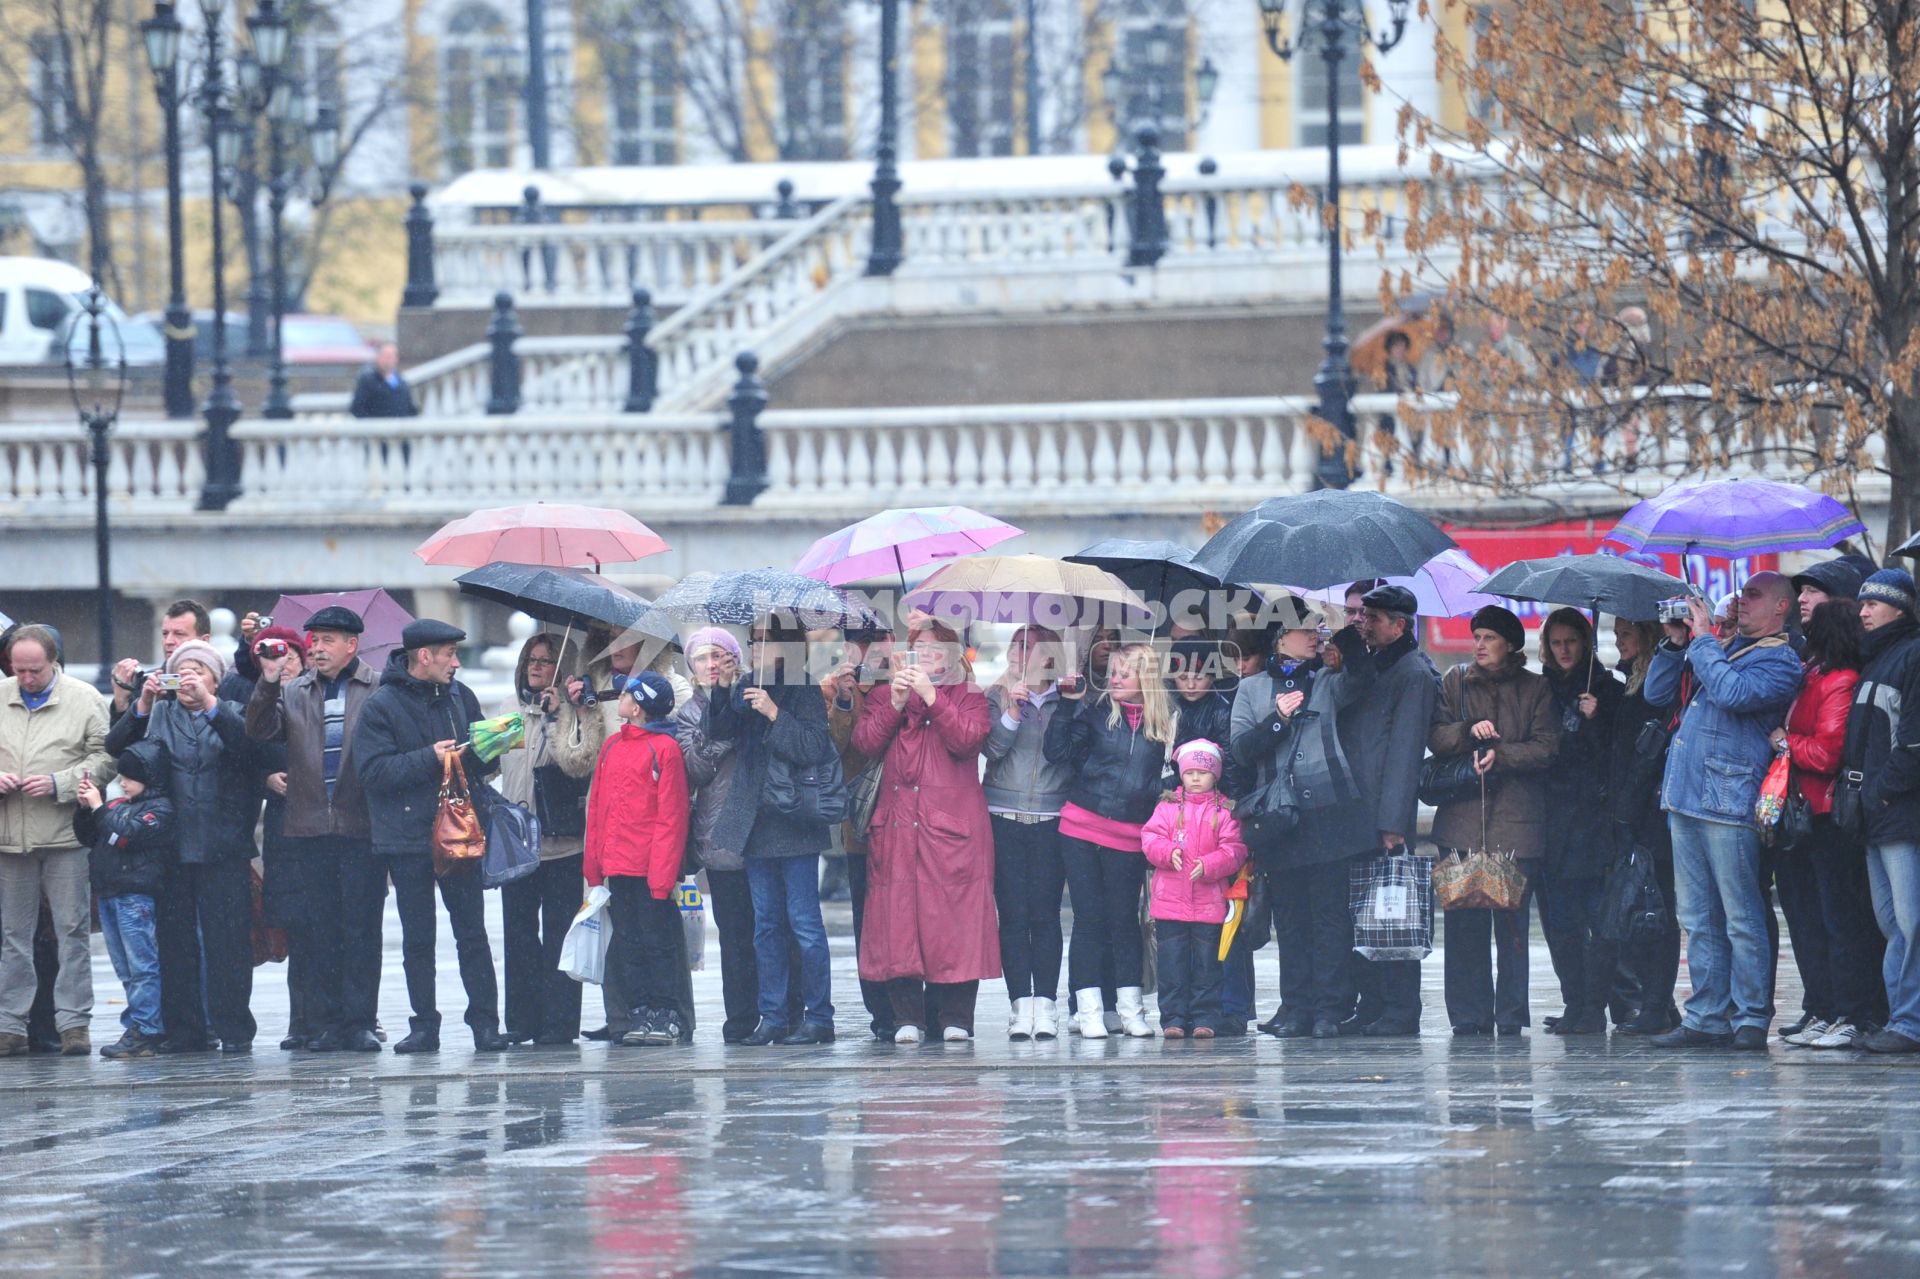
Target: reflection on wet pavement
1429	1156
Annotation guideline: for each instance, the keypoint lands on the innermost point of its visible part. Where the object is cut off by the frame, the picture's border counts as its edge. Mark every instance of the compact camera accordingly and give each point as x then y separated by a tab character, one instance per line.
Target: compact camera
270	649
168	683
1676	610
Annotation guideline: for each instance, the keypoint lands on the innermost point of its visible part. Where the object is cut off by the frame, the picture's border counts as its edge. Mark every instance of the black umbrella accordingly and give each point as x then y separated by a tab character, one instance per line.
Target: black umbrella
569	597
744	597
1153	570
1909	547
1325	538
1603	583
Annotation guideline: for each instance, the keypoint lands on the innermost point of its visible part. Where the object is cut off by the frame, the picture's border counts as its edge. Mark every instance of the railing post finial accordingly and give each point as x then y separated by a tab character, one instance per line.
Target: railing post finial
420	290
747	472
643	362
503	374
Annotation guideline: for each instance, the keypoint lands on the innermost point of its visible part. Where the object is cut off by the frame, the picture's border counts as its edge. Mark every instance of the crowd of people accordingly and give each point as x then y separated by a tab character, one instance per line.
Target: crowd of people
1189	798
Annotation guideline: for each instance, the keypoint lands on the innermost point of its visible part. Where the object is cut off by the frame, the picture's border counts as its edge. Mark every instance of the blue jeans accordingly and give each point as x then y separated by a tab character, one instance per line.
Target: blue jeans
1893	873
786	908
126	922
1716	870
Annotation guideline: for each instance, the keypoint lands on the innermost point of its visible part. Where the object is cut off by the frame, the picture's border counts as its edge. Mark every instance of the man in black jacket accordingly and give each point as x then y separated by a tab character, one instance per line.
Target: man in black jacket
380	391
1880	763
409	725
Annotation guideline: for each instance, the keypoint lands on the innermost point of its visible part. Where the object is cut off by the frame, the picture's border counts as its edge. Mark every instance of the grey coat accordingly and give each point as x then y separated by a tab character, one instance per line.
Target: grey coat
216	782
1019	777
710	768
799	736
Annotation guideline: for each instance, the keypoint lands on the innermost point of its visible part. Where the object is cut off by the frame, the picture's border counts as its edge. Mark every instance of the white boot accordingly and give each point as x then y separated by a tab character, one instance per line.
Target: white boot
1046	1022
1133	1012
1090	1013
1020	1029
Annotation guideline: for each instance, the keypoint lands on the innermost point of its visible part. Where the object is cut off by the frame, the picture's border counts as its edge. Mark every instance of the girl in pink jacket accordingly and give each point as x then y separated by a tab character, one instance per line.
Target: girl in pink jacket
1194	846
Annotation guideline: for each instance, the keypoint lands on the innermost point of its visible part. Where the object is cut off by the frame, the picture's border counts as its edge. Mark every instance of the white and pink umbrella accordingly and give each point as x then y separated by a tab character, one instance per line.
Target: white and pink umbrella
552	535
890	543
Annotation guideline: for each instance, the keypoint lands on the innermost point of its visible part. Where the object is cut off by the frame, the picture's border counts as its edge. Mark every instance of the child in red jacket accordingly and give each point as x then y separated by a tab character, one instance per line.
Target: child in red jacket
1194	845
636	836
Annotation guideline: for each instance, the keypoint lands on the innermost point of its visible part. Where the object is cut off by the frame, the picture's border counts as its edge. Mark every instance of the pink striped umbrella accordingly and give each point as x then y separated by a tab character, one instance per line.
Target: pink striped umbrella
552	535
890	543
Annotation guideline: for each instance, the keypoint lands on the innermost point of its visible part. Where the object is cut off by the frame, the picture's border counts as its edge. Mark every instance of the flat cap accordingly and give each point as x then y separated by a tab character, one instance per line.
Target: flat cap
1391	599
428	632
335	618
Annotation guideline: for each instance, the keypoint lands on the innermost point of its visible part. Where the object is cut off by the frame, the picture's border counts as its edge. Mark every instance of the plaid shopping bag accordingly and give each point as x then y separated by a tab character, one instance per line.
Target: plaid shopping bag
1392	899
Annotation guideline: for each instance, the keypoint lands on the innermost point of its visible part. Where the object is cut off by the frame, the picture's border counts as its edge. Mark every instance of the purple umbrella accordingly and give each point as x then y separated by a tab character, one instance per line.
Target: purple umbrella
1443	587
1735	519
890	543
379	612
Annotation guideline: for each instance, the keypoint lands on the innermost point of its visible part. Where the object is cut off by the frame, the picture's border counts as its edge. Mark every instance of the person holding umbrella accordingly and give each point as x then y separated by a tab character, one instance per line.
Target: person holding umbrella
778	711
1719	754
1586	701
1503	714
549	775
931	933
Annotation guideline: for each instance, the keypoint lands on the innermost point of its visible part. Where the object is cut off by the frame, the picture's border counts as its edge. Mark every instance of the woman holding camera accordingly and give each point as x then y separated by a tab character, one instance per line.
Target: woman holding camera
930	930
1502	714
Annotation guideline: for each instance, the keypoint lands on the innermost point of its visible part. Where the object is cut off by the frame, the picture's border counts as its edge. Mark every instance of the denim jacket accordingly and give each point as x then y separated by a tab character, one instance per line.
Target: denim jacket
1720	751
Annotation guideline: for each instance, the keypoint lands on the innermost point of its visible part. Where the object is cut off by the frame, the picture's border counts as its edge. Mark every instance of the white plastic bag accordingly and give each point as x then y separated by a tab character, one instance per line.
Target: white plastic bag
583	953
693	921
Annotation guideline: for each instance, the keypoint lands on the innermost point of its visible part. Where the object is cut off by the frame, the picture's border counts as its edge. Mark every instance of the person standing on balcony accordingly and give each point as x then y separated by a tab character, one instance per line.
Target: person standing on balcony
380	391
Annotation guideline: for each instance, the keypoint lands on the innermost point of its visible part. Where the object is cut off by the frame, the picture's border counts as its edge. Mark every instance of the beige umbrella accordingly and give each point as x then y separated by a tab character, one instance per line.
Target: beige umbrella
1029	588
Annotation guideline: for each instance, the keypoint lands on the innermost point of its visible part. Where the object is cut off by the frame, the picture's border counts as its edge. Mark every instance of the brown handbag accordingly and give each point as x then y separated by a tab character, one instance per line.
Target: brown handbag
458	840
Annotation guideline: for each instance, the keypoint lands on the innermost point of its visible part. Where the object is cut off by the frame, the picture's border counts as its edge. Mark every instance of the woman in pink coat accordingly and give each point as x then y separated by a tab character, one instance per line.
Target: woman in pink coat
931	933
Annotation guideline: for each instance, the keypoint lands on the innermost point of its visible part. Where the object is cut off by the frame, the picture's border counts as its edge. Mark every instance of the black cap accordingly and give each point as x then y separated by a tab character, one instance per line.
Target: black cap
427	632
335	618
148	762
1503	622
1391	599
1837	578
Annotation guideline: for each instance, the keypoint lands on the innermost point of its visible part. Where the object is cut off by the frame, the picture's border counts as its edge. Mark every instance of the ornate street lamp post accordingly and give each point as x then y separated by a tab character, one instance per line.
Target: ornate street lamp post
221	410
886	253
1123	87
161	34
98	385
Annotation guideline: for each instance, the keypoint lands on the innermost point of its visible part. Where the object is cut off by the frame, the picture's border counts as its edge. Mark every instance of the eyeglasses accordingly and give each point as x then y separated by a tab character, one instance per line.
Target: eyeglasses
542	661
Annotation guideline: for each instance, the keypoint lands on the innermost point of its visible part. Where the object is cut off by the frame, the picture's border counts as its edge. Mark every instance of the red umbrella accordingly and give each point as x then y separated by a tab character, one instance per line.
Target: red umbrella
550	535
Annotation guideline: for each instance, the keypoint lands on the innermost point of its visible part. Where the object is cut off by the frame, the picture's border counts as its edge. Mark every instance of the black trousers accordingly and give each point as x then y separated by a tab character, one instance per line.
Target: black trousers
1028	876
1389	990
1474	996
1105	887
1569	915
1190	973
336	903
541	1001
648	947
1855	945
461	894
933	1005
1313	931
203	921
874	995
1791	874
46	967
732	903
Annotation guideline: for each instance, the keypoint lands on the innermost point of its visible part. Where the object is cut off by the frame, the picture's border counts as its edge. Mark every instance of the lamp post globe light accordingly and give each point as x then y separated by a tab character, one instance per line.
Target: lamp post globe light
1333	30
161	36
98	385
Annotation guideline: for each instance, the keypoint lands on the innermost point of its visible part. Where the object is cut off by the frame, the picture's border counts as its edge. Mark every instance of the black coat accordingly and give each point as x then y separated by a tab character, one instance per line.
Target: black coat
131	842
1886	710
799	736
215	782
1117	771
1210	719
1579	809
394	755
372	397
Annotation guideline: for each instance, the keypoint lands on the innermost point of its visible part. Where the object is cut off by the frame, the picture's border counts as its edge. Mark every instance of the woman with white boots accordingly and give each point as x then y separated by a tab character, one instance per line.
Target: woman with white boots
1024	794
1114	745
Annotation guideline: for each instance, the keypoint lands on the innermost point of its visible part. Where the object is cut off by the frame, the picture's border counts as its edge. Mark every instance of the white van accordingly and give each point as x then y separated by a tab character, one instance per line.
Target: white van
38	298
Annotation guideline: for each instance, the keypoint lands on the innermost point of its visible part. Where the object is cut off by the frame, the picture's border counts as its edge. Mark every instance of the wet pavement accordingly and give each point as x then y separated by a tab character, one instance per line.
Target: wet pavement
1428	1156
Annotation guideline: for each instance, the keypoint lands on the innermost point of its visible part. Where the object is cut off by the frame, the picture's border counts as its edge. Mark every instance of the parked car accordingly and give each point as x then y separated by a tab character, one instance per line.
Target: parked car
39	298
141	341
324	339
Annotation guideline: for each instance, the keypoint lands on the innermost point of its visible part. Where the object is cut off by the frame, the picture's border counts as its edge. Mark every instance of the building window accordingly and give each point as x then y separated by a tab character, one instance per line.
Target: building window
1311	121
980	87
640	100
480	79
53	102
1153	52
318	57
812	62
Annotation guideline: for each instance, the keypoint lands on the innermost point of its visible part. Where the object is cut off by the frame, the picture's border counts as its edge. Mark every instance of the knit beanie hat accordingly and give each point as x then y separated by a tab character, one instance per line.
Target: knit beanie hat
202	652
715	637
1502	622
1199	753
1890	586
653	692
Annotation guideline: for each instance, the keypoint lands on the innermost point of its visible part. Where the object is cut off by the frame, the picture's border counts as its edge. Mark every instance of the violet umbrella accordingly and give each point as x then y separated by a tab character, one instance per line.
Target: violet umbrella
1736	518
893	541
378	611
1445	586
553	534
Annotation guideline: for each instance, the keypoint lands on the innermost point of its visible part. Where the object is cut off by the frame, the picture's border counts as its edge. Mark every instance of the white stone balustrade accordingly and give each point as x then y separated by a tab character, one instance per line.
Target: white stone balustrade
596	263
46	467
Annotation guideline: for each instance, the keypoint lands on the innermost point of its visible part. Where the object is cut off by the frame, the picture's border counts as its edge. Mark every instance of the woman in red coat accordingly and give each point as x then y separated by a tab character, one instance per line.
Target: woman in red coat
931	933
1837	945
